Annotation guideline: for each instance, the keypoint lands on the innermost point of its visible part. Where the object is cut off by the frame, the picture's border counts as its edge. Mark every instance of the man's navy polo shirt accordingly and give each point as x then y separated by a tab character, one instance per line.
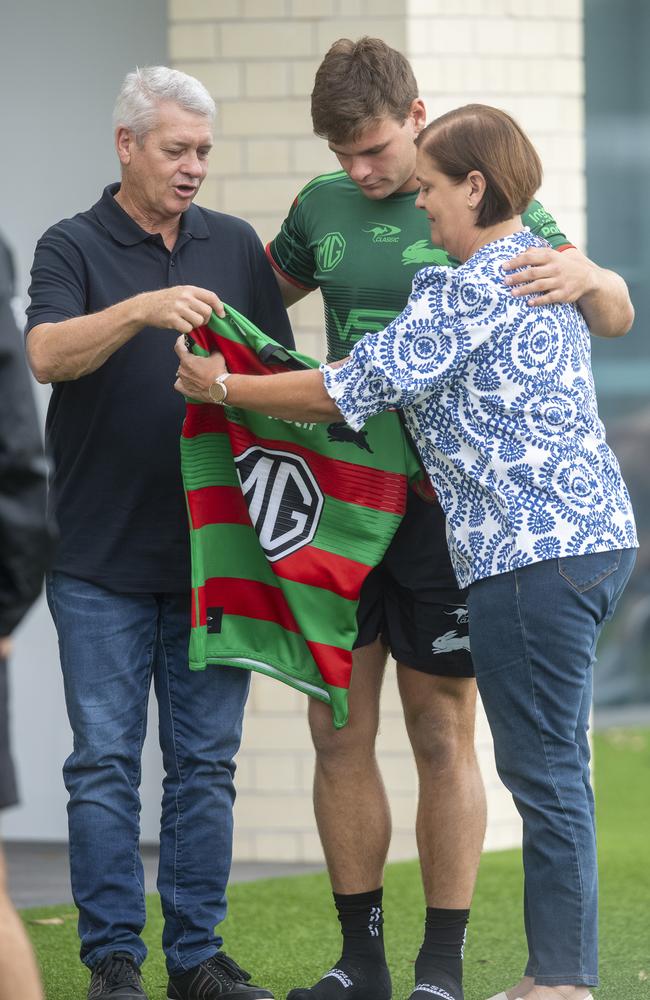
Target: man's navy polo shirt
114	434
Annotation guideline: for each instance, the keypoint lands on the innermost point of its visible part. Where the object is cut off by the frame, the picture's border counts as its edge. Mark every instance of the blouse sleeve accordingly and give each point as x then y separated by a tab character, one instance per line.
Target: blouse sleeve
448	316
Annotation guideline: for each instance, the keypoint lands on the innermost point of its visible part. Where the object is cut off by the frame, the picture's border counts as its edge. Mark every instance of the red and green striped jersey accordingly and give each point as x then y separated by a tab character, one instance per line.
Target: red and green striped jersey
286	521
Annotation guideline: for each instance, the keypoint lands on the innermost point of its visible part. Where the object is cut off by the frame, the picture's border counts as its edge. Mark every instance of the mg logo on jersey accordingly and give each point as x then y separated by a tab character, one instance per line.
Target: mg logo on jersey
330	251
283	498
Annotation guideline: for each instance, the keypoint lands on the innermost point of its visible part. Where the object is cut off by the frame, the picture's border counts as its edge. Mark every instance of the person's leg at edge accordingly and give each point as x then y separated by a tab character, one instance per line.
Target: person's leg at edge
18	972
200	726
440	712
535	692
353	819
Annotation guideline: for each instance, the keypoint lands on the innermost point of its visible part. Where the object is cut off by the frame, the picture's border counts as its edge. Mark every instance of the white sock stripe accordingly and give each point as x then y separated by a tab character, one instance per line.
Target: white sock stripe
375	918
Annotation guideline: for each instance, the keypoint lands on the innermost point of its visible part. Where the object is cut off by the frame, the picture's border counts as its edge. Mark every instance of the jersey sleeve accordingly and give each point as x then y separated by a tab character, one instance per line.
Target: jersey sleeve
267	309
290	253
541	223
58	289
450	314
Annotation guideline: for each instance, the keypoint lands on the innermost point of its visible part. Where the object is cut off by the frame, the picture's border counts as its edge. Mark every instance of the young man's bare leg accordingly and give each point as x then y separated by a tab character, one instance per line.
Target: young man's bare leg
353	819
440	714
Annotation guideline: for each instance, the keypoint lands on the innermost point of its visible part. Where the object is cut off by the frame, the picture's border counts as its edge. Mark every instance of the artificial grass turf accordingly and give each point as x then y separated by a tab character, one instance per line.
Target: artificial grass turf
285	930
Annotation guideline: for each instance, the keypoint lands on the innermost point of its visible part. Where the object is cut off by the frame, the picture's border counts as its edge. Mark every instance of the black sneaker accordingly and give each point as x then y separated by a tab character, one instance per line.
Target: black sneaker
116	977
218	976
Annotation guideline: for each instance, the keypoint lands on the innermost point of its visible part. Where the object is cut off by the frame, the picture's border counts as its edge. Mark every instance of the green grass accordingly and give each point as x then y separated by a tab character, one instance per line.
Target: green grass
284	929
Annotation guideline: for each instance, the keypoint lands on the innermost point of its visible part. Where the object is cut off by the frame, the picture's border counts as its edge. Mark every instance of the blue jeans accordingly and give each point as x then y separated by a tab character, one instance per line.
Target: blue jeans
533	635
111	646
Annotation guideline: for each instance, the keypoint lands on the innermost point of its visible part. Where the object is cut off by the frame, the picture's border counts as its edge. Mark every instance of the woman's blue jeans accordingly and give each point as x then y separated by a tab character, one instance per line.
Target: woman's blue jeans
533	634
112	646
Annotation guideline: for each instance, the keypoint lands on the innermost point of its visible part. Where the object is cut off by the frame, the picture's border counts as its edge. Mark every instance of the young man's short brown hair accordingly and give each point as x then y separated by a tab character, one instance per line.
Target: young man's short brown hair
357	84
478	137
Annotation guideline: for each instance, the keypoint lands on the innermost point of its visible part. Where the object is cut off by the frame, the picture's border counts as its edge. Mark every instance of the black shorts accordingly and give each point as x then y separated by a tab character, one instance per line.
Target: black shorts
8	792
412	600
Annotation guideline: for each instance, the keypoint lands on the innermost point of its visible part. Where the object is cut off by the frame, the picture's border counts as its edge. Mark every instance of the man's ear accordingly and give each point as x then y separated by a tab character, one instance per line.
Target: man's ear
124	141
418	114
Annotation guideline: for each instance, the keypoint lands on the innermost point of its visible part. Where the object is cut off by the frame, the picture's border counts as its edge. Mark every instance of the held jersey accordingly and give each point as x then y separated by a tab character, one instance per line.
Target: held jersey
363	254
286	521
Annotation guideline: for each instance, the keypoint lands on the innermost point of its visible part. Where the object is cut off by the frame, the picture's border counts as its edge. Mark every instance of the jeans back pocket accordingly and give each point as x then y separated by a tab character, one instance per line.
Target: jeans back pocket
586	571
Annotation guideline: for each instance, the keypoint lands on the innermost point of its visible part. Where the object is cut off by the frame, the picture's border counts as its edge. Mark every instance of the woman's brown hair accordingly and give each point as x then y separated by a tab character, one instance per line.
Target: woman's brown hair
479	137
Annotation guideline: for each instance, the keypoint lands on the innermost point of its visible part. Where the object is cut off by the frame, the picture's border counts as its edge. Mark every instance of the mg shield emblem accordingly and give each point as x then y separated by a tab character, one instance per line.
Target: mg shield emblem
330	251
283	498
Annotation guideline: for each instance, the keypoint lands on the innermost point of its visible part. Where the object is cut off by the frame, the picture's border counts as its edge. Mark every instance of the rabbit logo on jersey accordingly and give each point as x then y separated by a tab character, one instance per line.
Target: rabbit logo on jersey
283	498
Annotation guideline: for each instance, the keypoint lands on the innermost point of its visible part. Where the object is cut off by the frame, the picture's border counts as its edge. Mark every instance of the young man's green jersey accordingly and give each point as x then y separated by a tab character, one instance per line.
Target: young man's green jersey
363	254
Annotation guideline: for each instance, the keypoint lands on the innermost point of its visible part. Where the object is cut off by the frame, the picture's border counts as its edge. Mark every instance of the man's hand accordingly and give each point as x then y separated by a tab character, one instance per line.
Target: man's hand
549	276
569	276
5	647
64	351
196	374
181	308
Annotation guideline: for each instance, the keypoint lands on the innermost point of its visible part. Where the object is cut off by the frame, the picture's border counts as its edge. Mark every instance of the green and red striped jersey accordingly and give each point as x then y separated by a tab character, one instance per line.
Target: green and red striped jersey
286	521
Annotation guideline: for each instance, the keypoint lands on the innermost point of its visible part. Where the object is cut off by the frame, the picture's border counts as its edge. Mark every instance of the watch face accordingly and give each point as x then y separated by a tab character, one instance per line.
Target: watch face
217	392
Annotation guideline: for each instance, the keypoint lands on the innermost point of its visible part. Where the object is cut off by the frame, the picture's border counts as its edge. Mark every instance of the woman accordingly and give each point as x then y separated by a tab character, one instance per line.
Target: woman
500	401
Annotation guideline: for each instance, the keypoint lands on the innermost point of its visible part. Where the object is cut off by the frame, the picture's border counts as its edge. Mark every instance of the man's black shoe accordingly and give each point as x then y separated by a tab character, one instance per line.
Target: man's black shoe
218	976
116	977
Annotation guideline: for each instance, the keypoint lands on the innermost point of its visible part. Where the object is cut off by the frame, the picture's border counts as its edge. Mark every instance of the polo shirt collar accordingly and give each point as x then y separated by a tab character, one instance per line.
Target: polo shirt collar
126	230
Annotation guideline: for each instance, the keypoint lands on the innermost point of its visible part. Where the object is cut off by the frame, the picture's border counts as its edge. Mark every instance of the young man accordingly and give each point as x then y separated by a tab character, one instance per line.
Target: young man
357	236
111	290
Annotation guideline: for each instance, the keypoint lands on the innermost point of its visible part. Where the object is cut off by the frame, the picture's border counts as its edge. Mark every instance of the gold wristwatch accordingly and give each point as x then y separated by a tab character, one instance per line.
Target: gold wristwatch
218	391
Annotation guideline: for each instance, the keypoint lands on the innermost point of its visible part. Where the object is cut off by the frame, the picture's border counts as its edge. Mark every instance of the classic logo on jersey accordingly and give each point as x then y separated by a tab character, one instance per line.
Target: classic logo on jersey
343	434
330	250
384	233
283	498
423	253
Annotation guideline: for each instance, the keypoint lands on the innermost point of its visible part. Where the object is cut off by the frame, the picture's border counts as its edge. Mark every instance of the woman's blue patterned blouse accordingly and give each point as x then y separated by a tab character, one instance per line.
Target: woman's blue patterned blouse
499	398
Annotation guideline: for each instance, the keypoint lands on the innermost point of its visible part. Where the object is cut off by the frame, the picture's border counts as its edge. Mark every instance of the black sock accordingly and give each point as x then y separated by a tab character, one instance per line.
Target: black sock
440	960
362	924
361	972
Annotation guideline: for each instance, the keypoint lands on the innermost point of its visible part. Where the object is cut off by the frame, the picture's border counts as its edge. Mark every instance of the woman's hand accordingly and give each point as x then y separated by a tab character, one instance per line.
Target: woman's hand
195	375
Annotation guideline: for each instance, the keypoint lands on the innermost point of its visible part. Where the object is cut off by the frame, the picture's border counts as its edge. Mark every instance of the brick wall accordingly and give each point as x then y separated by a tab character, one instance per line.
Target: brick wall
258	59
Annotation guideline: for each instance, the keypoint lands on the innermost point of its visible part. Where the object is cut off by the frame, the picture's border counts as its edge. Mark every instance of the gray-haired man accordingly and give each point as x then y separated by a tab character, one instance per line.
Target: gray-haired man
111	290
